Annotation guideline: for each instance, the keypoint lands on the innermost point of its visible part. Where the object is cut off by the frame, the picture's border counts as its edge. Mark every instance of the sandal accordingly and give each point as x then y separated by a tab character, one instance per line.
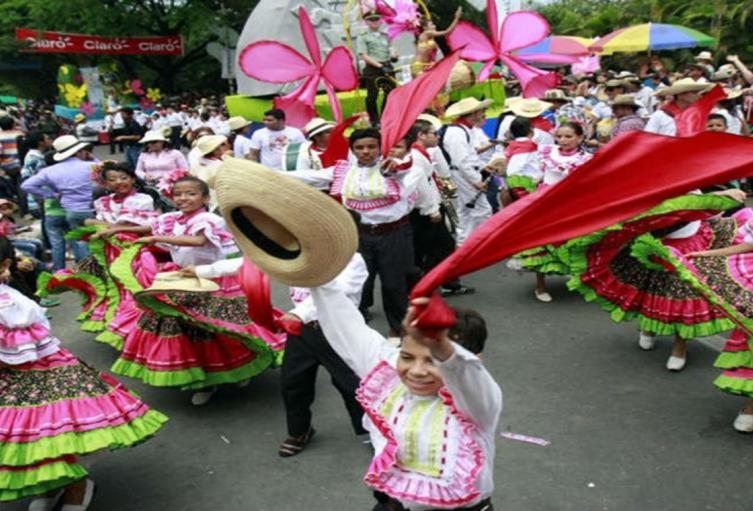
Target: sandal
295	444
460	290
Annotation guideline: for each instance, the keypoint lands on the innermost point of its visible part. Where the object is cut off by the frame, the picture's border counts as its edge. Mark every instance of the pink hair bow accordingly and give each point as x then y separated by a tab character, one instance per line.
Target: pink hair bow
272	61
519	29
403	17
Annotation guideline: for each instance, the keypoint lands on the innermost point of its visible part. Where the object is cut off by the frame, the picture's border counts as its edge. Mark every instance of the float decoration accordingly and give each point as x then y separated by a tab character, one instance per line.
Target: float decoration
275	62
519	30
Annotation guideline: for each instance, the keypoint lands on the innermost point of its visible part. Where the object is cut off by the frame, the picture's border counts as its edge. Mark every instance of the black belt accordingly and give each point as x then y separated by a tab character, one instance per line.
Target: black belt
376	229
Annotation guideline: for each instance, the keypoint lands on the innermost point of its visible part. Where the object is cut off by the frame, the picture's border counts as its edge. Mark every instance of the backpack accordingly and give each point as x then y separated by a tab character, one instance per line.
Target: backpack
441	132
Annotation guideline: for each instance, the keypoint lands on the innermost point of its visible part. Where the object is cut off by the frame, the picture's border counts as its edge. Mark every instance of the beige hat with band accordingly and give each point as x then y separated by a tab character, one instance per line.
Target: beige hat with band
467	106
316	126
66	146
209	143
172	281
682	86
527	107
294	233
237	123
153	136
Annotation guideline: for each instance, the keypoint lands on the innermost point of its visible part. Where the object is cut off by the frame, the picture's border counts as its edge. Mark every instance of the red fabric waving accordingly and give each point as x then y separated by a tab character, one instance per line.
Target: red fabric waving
255	285
408	101
338	144
632	174
693	119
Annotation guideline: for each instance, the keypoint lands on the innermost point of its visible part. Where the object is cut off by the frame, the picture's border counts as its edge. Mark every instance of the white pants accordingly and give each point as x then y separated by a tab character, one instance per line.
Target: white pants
470	218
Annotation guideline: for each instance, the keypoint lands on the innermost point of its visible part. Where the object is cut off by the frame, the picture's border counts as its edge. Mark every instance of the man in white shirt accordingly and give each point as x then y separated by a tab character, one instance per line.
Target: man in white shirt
471	204
174	120
685	92
241	143
268	144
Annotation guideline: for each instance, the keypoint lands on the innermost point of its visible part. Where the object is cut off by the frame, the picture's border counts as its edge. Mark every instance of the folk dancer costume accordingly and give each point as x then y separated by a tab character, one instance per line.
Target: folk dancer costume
195	340
616	269
662	121
383	203
108	306
466	167
55	408
431	452
308	349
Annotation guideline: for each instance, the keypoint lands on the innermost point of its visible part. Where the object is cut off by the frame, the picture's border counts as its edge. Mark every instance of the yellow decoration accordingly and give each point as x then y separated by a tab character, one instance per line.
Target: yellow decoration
154	95
73	94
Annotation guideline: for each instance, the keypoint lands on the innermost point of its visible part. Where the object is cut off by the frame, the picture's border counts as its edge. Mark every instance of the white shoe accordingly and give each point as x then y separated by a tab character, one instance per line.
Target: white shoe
543	297
514	264
88	496
743	423
46	503
202	397
676	364
646	342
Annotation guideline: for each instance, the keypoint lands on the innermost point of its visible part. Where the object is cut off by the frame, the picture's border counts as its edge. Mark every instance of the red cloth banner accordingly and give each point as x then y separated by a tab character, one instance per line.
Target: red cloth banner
57	42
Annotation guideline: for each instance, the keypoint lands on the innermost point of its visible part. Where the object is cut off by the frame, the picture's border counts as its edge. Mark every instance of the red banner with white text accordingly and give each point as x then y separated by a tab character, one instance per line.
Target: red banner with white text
57	42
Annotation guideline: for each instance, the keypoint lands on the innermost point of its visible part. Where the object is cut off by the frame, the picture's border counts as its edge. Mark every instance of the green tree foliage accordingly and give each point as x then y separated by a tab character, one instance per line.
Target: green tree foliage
729	21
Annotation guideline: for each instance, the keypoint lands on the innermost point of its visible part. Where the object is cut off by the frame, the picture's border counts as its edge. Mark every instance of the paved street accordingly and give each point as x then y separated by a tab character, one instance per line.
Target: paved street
625	434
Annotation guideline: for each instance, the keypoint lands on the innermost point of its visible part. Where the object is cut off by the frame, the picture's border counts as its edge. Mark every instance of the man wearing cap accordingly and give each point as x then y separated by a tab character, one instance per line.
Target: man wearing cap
706	59
471	204
376	53
70	182
685	92
625	110
241	143
83	131
268	144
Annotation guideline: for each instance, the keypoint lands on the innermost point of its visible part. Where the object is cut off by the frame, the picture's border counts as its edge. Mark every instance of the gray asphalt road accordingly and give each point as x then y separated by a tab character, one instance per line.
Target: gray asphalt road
625	434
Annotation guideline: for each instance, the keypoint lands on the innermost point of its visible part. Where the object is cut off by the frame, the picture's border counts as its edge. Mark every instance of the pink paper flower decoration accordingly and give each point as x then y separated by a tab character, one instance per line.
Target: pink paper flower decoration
87	109
272	61
520	29
136	87
403	17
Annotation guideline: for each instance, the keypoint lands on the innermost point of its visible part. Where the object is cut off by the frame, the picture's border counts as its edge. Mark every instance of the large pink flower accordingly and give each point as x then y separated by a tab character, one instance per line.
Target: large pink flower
519	29
272	61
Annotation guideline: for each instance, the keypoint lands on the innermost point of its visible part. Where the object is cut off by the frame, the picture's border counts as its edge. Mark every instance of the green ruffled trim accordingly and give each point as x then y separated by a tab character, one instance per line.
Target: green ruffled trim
44	289
543	260
28	483
525	182
279	358
734	360
222	378
121	268
117	437
80	232
111	339
182	378
734	385
92	326
574	255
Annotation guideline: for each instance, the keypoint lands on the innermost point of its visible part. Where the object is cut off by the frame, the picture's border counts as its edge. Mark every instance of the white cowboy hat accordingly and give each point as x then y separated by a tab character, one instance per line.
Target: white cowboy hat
316	126
625	100
682	86
434	121
237	123
704	55
291	231
153	136
467	106
172	281
556	95
527	107
208	143
66	146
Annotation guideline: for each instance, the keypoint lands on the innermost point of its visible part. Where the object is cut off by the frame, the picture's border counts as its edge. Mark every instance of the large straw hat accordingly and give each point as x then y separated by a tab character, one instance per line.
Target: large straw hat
682	86
316	126
613	84
173	281
625	100
626	76
208	143
733	93
527	107
434	121
237	123
66	146
153	136
556	95
467	106
291	231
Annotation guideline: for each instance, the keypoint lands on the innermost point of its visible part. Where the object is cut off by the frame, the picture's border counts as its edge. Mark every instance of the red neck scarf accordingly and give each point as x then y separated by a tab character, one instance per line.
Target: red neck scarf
542	124
520	147
422	150
464	122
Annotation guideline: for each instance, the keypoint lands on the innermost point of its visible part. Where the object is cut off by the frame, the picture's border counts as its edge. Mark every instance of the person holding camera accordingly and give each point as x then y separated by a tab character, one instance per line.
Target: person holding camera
378	56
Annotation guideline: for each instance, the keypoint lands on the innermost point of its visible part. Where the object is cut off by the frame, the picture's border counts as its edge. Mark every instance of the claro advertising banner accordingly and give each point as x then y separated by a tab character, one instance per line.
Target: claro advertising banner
57	42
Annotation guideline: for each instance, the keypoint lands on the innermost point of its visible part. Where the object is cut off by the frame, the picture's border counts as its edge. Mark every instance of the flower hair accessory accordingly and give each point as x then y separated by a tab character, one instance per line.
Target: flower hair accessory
96	172
165	185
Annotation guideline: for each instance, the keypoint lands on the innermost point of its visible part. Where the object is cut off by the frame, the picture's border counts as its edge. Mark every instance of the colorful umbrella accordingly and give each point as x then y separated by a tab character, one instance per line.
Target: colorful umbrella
556	49
651	36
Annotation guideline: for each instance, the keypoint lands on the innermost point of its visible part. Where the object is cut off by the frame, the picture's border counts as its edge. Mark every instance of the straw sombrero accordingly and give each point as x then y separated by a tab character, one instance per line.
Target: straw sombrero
682	86
237	123
153	136
527	107
625	100
467	106
316	126
291	231
171	281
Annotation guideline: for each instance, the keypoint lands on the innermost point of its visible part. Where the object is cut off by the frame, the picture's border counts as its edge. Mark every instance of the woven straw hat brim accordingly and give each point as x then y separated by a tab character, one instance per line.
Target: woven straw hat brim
170	281
294	233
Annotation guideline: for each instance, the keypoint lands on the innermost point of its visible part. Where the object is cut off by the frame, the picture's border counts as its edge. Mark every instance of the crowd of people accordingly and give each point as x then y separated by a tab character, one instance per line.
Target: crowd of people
146	242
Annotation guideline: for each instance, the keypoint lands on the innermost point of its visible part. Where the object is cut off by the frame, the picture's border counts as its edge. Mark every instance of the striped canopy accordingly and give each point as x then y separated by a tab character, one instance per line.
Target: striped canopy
651	36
